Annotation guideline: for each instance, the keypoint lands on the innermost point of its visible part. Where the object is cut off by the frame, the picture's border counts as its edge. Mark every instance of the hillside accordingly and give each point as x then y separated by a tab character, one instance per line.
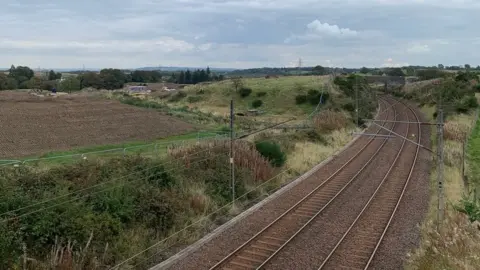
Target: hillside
277	94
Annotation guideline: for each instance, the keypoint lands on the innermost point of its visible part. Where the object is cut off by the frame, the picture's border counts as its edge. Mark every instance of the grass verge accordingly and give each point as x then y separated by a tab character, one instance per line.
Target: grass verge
455	245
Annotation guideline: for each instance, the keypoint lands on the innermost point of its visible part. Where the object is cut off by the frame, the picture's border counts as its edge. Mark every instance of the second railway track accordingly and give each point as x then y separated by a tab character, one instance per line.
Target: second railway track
266	244
358	245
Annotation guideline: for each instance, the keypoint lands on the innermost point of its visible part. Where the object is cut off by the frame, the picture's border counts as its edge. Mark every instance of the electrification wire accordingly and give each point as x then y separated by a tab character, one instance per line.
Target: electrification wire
92	193
196	222
103	183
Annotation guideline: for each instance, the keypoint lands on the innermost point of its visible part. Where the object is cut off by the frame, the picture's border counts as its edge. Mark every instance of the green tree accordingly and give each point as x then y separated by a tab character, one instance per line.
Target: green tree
395	72
188	77
319	70
364	70
90	79
112	78
70	84
440	66
21	74
237	83
467	66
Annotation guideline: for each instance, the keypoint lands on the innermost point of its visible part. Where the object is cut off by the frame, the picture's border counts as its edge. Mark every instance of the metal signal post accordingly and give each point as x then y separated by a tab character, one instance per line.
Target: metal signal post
232	168
441	199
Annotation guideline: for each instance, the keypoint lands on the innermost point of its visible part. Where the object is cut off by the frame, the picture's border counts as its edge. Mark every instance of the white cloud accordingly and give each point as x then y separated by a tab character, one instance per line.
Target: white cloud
317	30
238	33
391	63
325	29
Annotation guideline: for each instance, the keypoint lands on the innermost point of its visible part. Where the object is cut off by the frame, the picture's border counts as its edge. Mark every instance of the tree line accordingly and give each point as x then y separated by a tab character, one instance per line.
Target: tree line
194	77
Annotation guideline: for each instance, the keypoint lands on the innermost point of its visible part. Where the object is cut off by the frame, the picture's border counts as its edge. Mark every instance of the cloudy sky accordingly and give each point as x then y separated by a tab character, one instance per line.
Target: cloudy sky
238	33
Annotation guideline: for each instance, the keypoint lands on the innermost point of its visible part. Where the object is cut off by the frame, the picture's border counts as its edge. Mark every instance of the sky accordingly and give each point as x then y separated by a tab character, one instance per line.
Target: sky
238	33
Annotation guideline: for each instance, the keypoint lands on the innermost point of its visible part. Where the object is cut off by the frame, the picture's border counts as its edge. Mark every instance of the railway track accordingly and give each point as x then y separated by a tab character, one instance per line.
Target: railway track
256	252
359	244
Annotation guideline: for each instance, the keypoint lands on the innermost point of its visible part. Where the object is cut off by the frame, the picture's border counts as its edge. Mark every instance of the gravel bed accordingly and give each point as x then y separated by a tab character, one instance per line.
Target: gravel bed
309	249
362	238
404	233
228	240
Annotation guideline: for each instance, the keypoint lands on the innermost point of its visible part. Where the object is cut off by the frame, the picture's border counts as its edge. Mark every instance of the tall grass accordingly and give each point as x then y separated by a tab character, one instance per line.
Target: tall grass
245	156
329	120
457	244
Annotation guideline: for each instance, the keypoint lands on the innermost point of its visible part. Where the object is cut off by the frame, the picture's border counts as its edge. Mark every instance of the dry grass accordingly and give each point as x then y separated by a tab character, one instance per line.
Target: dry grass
457	244
307	154
458	127
246	156
329	120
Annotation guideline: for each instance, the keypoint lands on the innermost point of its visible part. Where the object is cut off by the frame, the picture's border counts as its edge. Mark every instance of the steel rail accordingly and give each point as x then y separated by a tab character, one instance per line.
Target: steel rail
362	212
236	251
403	190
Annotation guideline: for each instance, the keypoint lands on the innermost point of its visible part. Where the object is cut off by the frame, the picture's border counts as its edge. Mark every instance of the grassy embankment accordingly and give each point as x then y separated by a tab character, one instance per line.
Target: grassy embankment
94	214
457	244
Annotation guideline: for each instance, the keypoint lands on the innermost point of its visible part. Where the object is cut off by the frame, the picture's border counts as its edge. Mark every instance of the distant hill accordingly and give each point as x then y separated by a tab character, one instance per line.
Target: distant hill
185	68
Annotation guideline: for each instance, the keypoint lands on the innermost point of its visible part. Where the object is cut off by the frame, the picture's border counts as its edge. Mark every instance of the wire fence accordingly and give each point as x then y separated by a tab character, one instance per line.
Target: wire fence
150	149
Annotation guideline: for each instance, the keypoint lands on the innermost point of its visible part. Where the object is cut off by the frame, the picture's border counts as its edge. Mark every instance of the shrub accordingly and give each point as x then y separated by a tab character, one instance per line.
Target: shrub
193	99
178	96
300	99
262	94
257	103
477	88
465	104
272	152
245	92
329	120
349	106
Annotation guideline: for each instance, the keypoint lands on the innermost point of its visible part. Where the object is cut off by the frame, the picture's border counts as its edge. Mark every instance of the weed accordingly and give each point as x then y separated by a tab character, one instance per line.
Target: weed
272	152
328	120
257	103
245	92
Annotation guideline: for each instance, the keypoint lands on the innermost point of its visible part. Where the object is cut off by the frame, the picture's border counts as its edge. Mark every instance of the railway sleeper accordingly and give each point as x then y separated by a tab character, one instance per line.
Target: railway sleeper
249	259
243	265
257	254
264	248
269	243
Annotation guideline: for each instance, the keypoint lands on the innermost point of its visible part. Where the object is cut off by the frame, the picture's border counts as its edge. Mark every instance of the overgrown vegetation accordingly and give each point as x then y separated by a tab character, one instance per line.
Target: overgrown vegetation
272	152
114	219
456	244
356	87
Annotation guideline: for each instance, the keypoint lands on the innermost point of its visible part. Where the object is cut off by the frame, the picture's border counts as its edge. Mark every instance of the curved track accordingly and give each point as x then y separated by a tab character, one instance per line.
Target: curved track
260	249
359	244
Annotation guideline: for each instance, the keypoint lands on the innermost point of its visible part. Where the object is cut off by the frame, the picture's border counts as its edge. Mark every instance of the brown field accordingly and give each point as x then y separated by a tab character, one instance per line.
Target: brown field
32	125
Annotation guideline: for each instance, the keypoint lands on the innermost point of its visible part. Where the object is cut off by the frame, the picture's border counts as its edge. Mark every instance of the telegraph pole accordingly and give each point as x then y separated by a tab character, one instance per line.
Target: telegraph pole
232	168
441	195
356	96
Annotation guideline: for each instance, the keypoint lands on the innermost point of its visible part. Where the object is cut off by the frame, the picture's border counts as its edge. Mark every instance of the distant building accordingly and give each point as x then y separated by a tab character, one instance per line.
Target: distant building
138	88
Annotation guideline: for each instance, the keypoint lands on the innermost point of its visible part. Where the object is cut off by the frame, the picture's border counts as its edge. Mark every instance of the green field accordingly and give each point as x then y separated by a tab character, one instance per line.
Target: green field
278	98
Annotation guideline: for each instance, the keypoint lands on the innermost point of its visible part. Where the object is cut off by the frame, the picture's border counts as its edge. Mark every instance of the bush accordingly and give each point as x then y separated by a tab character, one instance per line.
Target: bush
193	99
349	106
300	99
329	120
178	96
465	104
272	152
257	103
477	88
244	92
261	94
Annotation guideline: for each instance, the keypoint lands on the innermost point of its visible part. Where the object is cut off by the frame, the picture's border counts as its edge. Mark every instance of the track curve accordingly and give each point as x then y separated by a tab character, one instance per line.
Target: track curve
256	252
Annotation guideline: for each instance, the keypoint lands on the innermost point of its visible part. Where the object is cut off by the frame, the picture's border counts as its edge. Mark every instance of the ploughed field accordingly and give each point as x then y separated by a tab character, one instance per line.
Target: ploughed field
32	125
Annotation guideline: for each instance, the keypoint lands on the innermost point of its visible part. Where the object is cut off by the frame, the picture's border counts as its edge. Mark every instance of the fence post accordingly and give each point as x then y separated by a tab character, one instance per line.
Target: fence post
124	152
